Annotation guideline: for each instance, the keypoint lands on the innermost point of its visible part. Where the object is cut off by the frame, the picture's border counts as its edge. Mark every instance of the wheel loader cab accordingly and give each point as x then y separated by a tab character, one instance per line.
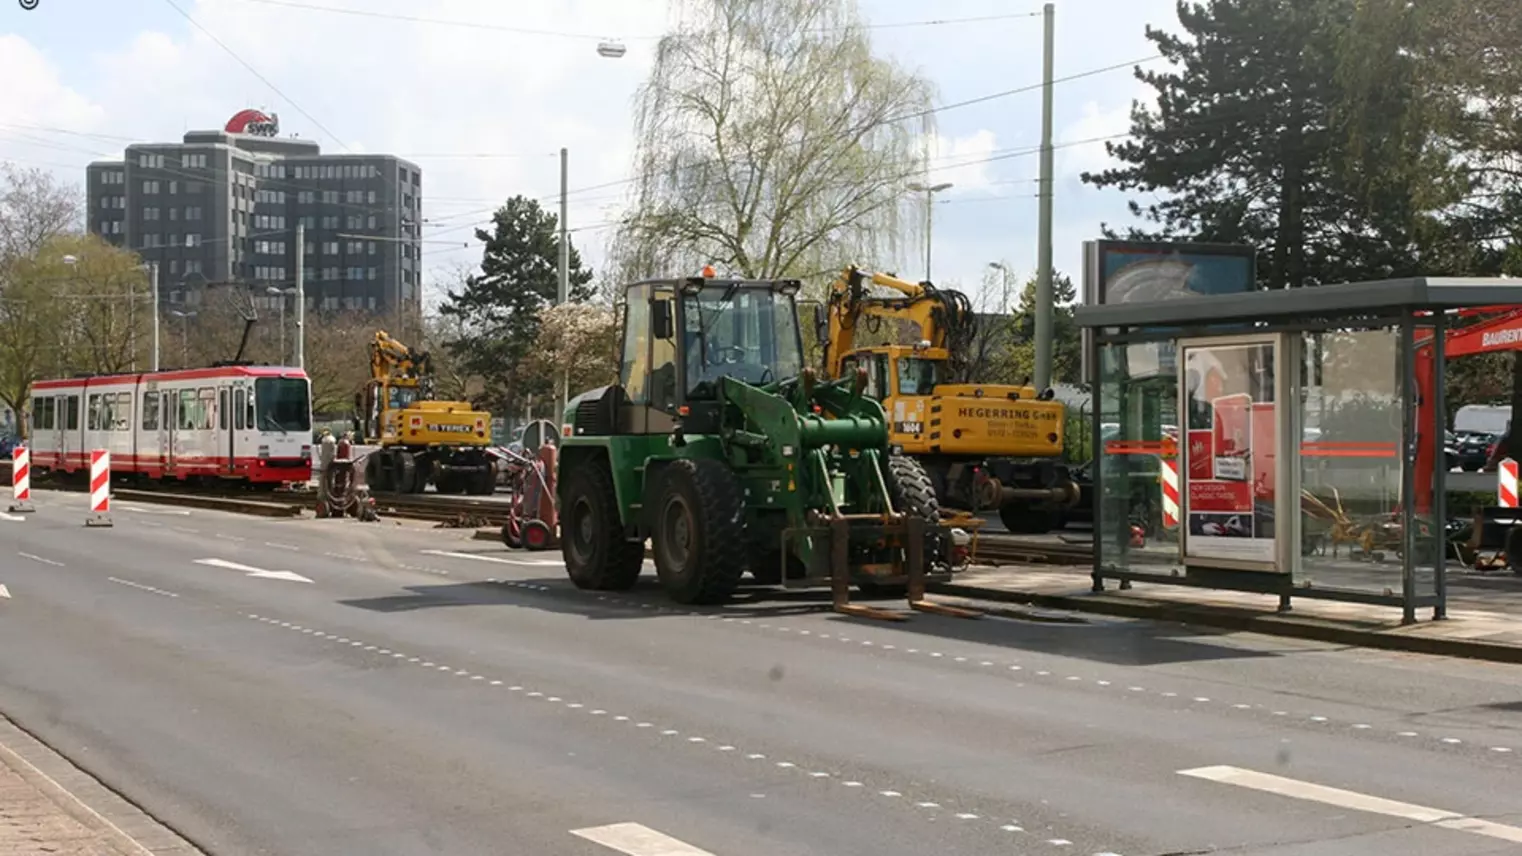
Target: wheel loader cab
681	337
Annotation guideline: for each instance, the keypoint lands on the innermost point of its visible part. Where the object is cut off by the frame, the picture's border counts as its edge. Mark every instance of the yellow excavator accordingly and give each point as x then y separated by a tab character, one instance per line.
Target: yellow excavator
985	446
421	440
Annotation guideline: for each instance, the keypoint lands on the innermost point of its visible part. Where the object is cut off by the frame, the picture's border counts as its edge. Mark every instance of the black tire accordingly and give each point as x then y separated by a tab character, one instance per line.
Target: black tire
483	482
913	493
597	554
1513	550
1024	520
698	534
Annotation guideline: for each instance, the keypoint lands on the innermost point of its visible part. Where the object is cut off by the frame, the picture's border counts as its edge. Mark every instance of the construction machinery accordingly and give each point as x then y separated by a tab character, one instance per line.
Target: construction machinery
421	440
985	446
719	446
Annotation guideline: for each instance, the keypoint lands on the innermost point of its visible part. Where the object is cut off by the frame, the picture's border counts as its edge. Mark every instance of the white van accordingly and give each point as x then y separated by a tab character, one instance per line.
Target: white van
1482	419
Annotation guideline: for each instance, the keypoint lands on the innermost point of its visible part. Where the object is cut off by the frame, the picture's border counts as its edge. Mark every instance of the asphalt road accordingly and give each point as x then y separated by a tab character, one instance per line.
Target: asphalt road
320	687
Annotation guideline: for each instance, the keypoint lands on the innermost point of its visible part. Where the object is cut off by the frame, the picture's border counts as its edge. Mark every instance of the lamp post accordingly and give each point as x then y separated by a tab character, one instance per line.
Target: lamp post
930	190
184	335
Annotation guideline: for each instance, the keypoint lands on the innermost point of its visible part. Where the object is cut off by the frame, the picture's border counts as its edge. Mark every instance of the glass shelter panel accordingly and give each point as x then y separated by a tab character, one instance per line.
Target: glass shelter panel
1352	409
1137	526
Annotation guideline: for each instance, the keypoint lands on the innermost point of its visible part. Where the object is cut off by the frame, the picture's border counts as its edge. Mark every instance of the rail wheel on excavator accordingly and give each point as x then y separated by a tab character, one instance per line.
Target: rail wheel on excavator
721	449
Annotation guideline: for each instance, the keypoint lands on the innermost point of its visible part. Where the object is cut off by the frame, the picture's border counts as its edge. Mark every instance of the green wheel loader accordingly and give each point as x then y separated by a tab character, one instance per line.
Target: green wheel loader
718	446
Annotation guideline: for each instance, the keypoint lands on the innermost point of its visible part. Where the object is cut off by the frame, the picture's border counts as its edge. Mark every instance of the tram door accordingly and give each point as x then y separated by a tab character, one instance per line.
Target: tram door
169	420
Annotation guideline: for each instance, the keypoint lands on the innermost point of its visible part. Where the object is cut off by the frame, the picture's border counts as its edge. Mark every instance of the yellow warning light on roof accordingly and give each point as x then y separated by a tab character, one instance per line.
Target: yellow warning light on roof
708	271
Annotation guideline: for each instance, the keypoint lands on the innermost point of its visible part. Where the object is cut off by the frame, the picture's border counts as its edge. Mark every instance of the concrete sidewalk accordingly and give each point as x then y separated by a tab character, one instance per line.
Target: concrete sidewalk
49	807
1476	633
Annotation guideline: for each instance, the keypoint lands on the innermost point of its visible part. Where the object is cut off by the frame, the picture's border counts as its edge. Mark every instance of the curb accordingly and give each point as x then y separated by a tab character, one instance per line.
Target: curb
255	508
1244	619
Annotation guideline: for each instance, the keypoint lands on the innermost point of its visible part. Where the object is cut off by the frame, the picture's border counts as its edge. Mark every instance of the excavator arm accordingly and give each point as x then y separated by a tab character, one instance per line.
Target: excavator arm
390	358
944	317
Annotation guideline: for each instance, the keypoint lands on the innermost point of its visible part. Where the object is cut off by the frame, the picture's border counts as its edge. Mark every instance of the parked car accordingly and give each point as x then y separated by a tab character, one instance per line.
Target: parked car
8	446
1472	447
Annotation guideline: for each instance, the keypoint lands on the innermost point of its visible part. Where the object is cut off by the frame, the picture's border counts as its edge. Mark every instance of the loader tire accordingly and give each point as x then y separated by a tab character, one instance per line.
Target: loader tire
598	555
1025	520
699	531
913	493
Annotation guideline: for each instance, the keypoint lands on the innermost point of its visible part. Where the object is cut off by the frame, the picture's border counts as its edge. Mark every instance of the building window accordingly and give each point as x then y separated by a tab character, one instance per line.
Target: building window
371	197
304	197
193	212
330	273
330	197
150	187
192	239
354	248
370	247
192	265
174	213
353	221
150	213
311	248
308	274
193	161
372	273
372	221
116	227
330	248
105	202
147	160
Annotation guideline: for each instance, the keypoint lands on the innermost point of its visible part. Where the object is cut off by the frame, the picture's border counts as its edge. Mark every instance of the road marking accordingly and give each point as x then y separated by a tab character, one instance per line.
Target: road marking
4	592
178	512
480	558
14	518
636	839
253	571
120	581
278	546
1353	800
40	559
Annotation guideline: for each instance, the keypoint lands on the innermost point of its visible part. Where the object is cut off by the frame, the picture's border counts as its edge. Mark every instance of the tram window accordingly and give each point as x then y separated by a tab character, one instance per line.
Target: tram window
150	411
73	414
122	417
222	410
248	410
187	410
240	398
204	413
92	414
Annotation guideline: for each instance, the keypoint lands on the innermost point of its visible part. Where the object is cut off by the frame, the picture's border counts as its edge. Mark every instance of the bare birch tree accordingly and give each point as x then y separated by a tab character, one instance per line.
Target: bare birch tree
772	142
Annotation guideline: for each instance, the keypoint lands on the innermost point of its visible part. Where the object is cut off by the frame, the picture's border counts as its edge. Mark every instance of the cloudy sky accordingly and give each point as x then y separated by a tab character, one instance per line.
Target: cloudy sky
483	93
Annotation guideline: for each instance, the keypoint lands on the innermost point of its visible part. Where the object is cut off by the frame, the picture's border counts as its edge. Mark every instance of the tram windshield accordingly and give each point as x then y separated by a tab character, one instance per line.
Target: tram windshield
282	404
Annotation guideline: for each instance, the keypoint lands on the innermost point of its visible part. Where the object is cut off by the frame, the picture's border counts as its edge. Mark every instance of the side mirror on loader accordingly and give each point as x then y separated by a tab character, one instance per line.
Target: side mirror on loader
661	322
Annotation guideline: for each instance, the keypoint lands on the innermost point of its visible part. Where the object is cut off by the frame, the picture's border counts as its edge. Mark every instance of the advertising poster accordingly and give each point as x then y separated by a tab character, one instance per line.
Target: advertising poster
1228	491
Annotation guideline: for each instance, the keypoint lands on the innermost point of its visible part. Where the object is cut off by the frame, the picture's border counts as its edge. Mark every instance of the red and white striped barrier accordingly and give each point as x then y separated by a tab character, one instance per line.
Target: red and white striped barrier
1170	492
21	480
1506	485
100	488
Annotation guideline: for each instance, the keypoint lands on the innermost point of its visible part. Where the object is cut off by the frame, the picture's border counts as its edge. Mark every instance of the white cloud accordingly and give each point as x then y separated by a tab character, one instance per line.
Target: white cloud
962	161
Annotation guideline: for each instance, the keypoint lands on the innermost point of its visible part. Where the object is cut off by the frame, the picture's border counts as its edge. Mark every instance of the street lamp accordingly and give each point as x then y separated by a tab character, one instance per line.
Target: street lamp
930	190
184	334
281	293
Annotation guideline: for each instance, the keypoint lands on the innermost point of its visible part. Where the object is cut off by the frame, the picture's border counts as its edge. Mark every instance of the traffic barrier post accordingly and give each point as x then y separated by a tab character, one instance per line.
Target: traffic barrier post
1506	484
1170	492
21	480
100	488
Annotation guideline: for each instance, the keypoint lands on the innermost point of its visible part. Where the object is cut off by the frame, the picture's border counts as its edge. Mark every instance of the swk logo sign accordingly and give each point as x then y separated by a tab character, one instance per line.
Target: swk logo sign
29	5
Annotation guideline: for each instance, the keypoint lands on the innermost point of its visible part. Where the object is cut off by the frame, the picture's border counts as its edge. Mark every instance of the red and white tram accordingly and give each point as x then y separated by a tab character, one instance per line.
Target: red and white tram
249	424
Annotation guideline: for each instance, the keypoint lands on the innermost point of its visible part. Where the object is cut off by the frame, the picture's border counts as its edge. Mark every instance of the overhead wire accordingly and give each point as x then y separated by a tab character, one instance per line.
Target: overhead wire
255	72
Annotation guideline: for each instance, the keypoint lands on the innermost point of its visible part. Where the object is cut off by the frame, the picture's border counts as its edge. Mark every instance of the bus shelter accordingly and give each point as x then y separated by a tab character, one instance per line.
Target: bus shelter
1281	442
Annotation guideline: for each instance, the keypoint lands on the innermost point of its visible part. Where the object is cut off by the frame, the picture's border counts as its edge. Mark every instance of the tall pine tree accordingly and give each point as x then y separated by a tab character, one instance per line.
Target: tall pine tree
1257	139
499	308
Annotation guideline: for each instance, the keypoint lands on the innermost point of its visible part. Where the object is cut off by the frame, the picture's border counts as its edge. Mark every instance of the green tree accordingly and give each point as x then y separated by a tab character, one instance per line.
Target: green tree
498	309
771	142
1262	136
1067	346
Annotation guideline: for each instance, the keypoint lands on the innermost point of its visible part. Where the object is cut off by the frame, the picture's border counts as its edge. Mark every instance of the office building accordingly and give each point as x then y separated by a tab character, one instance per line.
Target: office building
223	206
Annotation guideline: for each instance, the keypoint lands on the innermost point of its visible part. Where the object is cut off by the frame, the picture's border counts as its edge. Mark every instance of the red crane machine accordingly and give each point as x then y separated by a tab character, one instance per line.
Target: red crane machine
1502	332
